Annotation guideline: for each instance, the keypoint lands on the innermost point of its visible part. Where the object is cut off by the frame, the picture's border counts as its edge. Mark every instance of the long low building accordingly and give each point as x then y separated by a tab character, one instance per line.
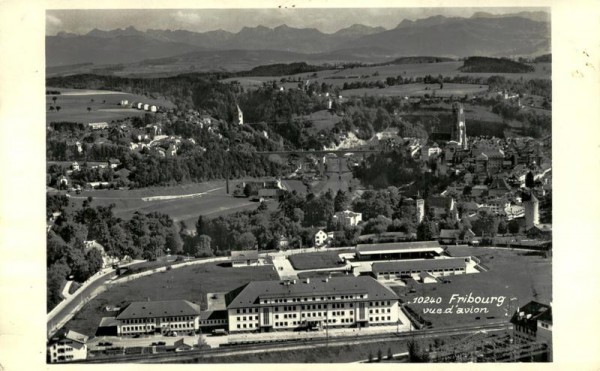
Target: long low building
399	250
436	267
149	317
311	303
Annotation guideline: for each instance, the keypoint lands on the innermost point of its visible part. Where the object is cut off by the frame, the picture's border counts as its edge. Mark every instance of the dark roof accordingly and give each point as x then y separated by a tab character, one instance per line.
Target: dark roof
151	309
530	313
369	247
419	265
449	233
213	314
500	183
244	255
108	322
250	294
64	334
439	201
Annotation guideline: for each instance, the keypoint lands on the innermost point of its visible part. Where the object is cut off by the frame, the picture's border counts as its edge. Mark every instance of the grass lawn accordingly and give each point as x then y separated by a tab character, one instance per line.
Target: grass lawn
105	105
315	260
190	283
513	274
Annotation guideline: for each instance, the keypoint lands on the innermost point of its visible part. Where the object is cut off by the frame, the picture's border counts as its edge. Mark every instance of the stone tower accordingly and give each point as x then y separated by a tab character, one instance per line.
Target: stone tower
420	205
532	211
459	132
240	116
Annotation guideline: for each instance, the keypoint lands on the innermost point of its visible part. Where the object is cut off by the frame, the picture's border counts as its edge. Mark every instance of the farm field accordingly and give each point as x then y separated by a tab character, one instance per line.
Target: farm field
190	283
105	106
512	273
419	90
375	73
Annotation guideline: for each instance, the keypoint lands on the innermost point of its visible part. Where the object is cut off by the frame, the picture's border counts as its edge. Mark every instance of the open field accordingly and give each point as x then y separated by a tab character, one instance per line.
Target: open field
376	73
190	283
215	202
317	260
322	120
105	106
513	274
419	90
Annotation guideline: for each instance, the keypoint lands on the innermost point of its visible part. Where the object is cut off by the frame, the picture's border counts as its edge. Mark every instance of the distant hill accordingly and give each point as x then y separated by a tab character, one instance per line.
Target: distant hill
539	16
494	65
546	58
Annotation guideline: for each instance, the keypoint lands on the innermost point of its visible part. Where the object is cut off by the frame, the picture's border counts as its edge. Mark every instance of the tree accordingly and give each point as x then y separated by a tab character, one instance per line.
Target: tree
502	227
417	352
200	226
95	261
341	201
173	242
529	181
513	227
51	108
390	355
485	224
246	241
89	109
58	108
55	275
379	355
54	99
370	357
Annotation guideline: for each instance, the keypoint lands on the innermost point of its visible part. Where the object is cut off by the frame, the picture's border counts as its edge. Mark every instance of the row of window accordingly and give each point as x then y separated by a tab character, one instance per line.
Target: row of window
247	318
383	310
214	321
152	320
376	319
412	271
314	298
247	310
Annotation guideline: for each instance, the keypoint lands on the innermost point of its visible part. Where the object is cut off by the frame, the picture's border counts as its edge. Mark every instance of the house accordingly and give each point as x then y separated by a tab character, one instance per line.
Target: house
540	231
441	206
75	166
320	238
113	163
107	260
449	236
66	346
479	190
212	319
182	344
283	242
399	250
426	277
98	125
337	302
499	188
244	258
533	323
270	192
239	118
347	218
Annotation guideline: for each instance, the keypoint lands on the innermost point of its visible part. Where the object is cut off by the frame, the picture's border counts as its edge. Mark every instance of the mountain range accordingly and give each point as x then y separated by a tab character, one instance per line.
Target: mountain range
526	34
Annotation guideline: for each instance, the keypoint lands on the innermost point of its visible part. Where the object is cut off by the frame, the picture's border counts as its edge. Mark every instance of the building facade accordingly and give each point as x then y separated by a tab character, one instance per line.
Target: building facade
311	304
66	346
347	218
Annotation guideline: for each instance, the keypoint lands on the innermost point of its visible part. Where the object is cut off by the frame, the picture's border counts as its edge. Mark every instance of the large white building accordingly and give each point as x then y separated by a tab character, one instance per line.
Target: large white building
320	238
265	306
67	346
347	218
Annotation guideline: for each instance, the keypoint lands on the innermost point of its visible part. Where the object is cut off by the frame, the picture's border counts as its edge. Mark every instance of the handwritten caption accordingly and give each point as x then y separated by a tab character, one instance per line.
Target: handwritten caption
458	304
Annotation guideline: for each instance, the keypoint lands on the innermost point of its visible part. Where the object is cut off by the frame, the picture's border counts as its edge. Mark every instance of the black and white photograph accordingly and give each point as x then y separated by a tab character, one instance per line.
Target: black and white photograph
299	184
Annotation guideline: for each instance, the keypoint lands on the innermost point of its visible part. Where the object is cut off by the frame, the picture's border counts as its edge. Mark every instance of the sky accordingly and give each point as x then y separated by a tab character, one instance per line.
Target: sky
81	21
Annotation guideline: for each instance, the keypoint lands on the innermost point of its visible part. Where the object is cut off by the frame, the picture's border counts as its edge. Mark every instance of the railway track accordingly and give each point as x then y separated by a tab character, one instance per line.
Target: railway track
240	349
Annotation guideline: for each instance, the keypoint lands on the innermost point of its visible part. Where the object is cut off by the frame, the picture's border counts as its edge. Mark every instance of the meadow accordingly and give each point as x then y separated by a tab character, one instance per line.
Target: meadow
104	105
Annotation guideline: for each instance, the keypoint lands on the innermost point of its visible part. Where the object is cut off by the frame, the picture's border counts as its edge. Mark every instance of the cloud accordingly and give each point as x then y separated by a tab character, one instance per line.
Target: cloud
187	17
52	20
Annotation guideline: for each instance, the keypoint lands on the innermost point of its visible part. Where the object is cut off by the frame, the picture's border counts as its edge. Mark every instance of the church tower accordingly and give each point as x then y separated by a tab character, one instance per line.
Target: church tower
460	126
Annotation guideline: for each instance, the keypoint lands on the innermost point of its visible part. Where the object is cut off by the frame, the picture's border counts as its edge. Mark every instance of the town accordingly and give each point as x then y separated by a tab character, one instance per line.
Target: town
296	211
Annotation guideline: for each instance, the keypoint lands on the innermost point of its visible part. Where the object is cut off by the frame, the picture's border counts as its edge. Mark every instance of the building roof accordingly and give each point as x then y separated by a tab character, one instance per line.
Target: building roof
244	255
108	322
500	184
249	295
449	233
396	246
64	334
440	202
152	309
213	314
346	213
419	265
530	313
